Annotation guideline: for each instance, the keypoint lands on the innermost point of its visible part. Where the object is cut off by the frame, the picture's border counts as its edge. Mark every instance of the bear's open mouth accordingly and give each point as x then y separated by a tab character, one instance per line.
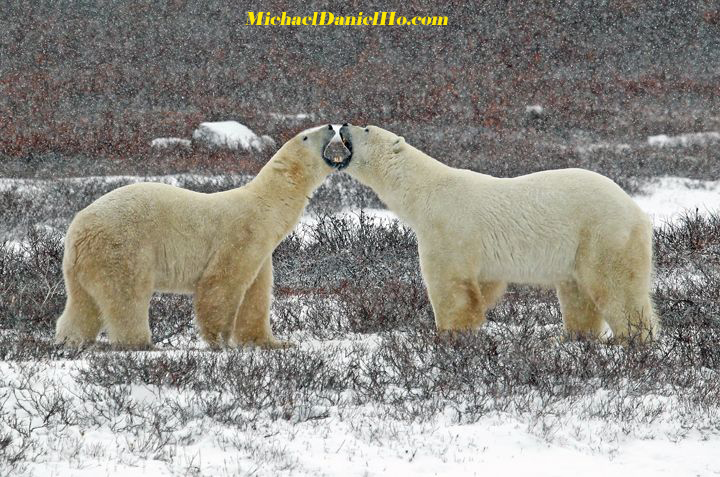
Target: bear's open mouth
346	142
337	154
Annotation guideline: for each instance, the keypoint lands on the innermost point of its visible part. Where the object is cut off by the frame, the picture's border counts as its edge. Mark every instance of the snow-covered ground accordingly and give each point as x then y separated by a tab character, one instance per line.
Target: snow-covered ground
498	445
666	199
359	441
32	186
684	140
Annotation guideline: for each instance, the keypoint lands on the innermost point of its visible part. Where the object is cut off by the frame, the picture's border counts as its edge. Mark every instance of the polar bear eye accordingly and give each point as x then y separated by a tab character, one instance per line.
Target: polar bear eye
305	138
367	129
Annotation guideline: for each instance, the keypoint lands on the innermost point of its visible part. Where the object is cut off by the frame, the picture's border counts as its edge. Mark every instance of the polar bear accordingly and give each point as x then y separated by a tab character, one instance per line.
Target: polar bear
570	229
151	237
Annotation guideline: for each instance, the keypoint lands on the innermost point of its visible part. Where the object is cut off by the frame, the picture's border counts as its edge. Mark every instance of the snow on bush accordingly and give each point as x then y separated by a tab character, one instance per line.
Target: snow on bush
702	138
165	142
534	109
232	135
293	117
603	146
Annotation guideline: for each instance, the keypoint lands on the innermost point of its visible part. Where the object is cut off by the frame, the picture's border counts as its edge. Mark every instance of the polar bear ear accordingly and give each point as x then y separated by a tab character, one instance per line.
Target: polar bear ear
399	144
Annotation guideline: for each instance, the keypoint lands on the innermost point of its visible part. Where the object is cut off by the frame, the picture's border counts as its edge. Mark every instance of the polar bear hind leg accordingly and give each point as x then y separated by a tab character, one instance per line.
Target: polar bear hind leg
252	324
618	281
80	321
124	300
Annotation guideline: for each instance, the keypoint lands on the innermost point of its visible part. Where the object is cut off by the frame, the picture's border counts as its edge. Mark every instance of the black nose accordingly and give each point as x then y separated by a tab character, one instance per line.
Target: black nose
330	127
346	124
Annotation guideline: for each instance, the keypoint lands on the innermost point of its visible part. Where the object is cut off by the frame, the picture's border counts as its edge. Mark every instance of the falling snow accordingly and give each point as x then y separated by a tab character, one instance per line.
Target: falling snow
94	96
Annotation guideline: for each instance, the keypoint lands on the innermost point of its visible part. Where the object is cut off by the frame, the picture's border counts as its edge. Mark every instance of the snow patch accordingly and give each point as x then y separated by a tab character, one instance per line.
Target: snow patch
231	135
534	110
165	142
667	199
293	117
603	146
361	440
684	140
375	217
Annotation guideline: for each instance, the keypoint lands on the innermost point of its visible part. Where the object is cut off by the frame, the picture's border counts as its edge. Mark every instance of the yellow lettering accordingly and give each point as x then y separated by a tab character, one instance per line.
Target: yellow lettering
330	17
254	20
443	21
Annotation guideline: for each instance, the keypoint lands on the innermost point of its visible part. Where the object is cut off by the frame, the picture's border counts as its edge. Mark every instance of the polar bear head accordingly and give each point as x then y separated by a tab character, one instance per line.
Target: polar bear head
314	142
299	159
372	149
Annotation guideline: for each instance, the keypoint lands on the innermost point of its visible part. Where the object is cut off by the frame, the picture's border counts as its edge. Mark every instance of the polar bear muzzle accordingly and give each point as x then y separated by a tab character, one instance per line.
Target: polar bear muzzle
346	142
338	153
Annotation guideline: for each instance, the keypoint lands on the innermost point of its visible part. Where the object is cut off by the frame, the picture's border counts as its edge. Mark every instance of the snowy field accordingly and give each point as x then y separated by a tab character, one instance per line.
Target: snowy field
340	403
97	95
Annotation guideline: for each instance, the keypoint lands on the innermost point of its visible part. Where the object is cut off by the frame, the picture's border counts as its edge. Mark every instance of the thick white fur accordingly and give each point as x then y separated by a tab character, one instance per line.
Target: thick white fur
151	237
571	229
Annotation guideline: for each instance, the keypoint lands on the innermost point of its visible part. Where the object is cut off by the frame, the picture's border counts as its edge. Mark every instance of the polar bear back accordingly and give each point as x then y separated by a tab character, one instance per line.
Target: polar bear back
174	229
527	229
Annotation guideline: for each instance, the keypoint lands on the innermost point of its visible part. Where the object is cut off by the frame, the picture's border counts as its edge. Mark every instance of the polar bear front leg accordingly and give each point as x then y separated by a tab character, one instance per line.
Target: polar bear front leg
252	324
580	315
461	303
218	295
458	300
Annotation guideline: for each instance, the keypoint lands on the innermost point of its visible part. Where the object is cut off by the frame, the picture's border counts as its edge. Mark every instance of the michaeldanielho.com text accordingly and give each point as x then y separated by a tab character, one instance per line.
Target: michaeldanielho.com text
327	18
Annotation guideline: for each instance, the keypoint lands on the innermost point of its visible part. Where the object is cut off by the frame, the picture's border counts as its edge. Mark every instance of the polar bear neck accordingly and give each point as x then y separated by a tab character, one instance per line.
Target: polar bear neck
401	180
286	183
291	173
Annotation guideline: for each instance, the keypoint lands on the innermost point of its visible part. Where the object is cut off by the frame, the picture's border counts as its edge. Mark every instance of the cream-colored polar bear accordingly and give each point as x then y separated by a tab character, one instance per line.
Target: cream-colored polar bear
571	229
151	237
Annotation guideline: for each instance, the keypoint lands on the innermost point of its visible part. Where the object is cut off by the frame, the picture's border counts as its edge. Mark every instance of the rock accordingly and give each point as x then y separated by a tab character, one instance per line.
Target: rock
231	135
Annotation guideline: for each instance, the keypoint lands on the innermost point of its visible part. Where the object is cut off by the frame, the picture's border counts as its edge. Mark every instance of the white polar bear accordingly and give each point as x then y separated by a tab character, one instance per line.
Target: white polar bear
151	237
571	229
